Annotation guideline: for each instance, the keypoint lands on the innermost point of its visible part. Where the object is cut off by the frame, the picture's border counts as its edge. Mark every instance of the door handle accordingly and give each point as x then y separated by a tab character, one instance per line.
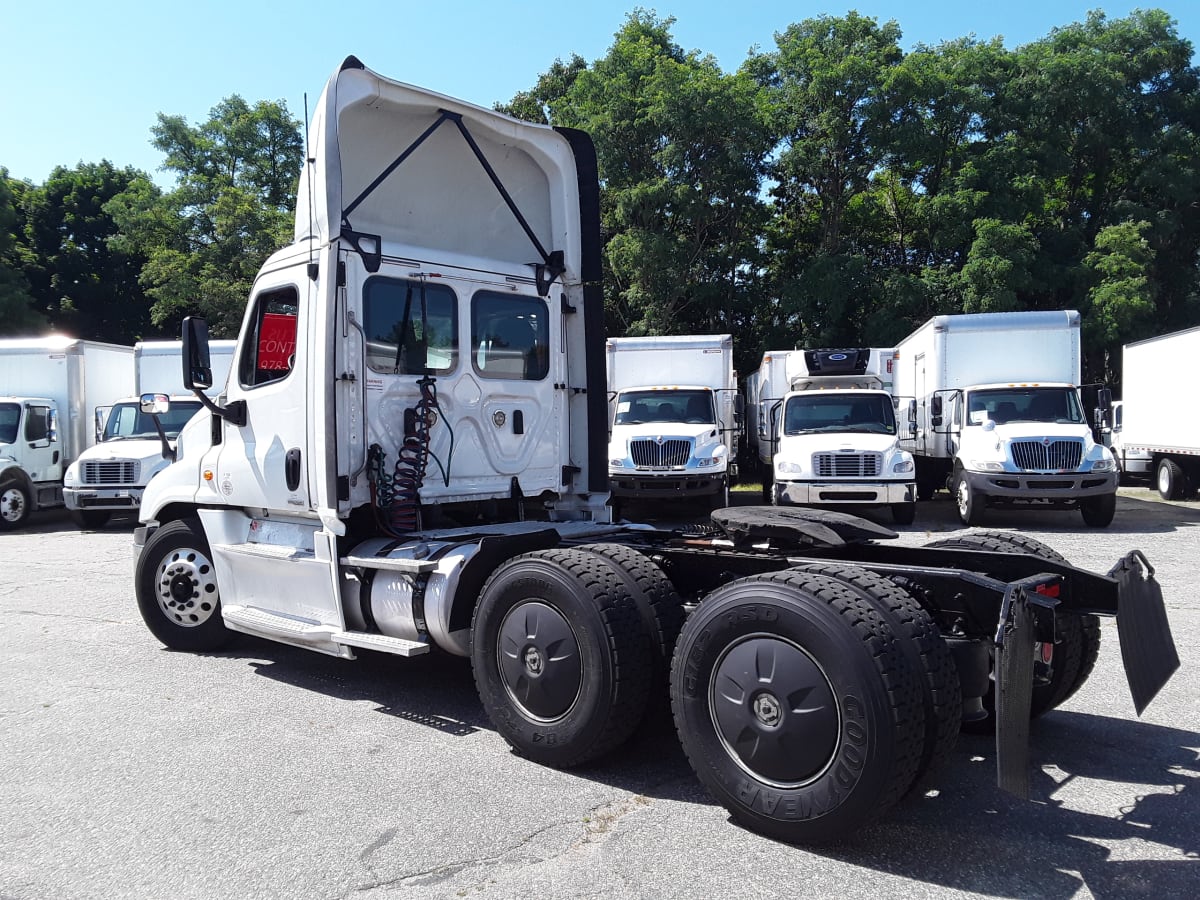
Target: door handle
291	468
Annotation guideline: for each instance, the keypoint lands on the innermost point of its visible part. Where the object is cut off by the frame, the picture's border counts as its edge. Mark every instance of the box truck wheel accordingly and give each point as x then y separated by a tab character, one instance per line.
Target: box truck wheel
796	706
561	656
1172	481
921	642
15	504
90	518
1078	643
176	587
1098	512
969	502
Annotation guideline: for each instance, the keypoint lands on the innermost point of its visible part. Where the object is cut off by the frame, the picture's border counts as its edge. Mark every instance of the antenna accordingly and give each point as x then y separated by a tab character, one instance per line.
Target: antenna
308	164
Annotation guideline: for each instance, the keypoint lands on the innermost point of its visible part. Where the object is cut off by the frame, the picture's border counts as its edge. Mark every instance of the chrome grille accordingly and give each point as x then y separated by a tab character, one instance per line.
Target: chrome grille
649	452
1055	455
847	465
110	471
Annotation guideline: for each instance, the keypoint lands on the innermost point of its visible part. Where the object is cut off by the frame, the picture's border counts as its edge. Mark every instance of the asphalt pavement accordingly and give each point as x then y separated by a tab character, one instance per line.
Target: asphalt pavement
127	770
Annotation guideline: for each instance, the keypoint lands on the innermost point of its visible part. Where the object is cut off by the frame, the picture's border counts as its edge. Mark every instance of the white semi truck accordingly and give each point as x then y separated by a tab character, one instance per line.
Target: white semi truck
674	418
410	455
1150	435
109	476
997	416
832	437
51	389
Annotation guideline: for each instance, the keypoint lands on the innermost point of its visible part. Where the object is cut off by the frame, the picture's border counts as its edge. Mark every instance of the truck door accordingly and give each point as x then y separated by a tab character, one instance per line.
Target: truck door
41	455
265	463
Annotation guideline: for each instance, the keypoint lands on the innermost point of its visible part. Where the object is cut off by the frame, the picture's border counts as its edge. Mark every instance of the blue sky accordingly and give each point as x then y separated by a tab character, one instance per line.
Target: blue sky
83	81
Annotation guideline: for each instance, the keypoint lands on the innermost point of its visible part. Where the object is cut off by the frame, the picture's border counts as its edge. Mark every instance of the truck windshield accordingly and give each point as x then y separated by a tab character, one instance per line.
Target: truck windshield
638	407
10	418
1051	404
816	412
127	421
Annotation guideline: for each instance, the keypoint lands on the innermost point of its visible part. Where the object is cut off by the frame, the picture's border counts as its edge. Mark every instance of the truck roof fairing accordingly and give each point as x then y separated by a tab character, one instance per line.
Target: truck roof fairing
424	173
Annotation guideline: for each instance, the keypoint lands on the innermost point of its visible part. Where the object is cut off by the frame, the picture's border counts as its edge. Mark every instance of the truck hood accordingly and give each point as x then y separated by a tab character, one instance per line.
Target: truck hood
1011	431
139	449
665	430
837	442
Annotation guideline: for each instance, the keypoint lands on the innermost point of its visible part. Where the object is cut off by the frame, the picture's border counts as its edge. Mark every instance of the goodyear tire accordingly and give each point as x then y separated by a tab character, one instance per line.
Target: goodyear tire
176	587
796	707
921	642
1078	644
15	505
560	655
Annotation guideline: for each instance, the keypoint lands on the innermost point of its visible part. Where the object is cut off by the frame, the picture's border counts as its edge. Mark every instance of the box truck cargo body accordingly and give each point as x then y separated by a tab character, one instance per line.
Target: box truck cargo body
674	418
997	417
110	475
1153	429
411	458
51	390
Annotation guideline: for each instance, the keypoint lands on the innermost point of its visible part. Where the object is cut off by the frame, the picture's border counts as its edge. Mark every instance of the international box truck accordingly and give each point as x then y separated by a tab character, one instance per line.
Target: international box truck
51	389
412	457
674	418
997	417
109	476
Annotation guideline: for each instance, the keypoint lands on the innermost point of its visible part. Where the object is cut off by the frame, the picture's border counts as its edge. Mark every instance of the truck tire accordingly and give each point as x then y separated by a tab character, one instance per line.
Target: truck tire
921	642
15	505
176	586
796	706
658	603
720	499
1171	480
904	513
1098	512
90	518
768	485
968	501
1079	636
560	655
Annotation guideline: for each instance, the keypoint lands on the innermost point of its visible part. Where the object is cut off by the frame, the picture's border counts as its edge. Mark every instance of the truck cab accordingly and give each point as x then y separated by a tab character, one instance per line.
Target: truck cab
842	446
31	457
110	475
1025	444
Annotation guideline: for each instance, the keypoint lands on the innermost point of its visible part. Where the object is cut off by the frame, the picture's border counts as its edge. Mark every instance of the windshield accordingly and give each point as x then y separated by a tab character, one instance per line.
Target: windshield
859	413
127	421
1057	404
10	417
692	406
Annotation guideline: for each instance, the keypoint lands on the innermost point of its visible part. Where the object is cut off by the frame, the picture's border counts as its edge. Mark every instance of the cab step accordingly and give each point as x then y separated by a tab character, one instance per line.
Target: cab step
381	642
309	632
412	566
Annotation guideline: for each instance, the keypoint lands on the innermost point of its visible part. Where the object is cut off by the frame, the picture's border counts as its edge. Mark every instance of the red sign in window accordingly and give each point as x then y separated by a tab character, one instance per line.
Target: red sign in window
276	342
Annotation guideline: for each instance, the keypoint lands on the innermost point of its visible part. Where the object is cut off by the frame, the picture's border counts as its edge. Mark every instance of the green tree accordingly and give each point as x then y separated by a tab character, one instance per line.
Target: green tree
87	285
17	313
552	89
231	207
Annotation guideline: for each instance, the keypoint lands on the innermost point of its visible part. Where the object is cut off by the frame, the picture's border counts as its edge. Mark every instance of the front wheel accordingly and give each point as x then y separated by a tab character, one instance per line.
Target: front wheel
90	518
968	501
904	513
796	706
176	587
15	505
1098	512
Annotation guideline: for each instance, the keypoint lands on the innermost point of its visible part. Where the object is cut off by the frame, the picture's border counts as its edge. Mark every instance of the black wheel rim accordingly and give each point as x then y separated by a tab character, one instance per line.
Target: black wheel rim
538	657
774	711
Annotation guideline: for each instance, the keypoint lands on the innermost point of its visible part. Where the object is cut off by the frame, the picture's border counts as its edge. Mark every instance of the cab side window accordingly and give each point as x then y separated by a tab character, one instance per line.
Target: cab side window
270	354
37	424
510	336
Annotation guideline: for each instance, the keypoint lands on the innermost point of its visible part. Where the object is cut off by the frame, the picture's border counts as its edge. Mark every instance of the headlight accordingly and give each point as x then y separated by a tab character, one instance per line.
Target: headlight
71	478
616	463
1103	465
985	465
905	465
789	468
708	461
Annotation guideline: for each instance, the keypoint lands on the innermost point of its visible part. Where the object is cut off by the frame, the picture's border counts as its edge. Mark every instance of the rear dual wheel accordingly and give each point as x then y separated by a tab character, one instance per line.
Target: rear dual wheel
796	706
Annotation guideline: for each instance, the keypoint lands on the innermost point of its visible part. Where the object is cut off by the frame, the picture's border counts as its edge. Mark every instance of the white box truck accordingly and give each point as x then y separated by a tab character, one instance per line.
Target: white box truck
109	476
674	418
1133	463
412	456
50	391
998	418
832	438
1154	438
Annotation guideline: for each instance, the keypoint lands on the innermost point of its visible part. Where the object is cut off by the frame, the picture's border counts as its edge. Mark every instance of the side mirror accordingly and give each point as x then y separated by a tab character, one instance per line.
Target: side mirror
197	362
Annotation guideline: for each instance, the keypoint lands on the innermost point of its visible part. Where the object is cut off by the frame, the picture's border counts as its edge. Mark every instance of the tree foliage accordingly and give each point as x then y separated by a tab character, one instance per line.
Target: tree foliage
17	313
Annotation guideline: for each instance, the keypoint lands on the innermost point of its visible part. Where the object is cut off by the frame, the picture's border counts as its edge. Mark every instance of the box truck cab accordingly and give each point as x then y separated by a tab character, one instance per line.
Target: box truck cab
109	476
672	441
51	392
997	416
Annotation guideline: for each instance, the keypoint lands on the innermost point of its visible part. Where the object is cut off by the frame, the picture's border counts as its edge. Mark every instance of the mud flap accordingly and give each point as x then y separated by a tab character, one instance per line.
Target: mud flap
1014	691
1147	648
